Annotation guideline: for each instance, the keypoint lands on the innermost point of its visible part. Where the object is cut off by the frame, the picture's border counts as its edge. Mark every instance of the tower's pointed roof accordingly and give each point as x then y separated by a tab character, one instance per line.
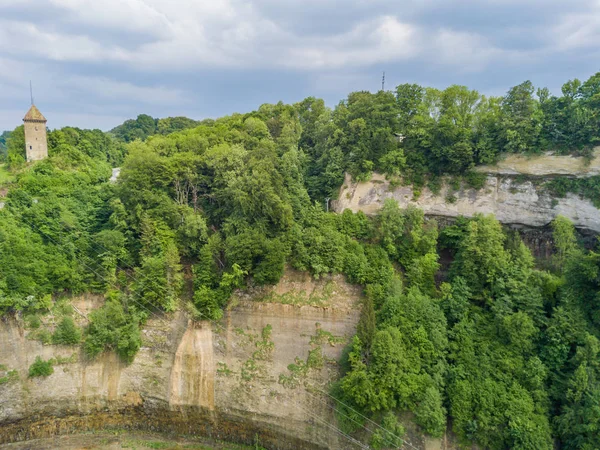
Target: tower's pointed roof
34	114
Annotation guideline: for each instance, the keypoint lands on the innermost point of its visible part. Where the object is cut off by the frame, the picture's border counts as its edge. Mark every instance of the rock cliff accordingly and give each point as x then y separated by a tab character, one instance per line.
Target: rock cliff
259	372
506	194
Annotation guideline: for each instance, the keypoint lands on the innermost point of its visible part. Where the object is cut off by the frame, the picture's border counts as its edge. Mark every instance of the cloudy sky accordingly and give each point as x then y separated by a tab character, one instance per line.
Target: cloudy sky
95	63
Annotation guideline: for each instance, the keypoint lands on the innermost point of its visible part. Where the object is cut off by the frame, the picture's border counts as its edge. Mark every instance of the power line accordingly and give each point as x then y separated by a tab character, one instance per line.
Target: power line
365	417
336	429
137	279
90	268
339	412
323	392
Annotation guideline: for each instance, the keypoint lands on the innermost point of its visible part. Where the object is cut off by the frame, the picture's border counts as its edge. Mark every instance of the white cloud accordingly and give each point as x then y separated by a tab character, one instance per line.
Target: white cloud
221	33
28	40
384	39
578	30
108	43
105	88
469	51
132	15
192	34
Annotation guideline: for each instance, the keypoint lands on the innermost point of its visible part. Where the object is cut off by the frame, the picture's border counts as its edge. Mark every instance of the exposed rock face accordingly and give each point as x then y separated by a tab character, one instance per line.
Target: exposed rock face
228	380
193	372
510	200
548	164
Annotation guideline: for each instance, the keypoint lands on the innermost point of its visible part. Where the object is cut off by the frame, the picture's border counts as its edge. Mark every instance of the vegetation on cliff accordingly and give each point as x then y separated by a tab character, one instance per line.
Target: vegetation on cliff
507	351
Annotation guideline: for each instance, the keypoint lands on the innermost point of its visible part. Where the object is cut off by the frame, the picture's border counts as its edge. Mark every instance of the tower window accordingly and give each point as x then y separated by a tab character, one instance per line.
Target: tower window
30	147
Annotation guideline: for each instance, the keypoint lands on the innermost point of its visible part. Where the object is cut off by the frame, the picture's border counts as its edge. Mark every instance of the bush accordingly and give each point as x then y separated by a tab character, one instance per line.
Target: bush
66	332
33	321
42	335
40	368
476	180
113	328
435	184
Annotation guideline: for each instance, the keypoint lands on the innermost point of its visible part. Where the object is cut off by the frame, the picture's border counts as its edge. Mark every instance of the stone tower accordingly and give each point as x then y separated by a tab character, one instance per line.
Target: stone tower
36	144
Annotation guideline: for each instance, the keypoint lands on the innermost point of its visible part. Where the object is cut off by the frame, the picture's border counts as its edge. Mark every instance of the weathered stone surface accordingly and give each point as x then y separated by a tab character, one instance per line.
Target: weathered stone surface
511	201
547	164
220	380
36	142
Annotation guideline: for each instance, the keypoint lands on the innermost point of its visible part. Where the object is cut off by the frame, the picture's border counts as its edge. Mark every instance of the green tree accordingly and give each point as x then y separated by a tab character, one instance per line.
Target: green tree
481	256
522	119
15	147
66	332
565	242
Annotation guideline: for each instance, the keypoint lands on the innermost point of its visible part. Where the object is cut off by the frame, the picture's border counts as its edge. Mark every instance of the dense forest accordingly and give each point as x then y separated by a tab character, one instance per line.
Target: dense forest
501	351
145	126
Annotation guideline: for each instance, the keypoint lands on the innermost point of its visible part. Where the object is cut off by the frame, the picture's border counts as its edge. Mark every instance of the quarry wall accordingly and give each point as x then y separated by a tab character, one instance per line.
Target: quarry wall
509	193
228	380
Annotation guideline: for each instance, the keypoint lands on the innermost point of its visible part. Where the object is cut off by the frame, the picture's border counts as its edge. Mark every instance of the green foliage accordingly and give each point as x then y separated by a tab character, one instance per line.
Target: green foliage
563	234
66	332
430	414
33	321
451	130
15	148
390	434
475	180
41	368
140	128
3	148
11	376
113	327
209	299
588	187
481	257
42	335
507	352
404	367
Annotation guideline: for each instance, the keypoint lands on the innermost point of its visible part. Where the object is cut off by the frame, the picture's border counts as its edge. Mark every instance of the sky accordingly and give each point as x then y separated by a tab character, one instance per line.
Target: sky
96	63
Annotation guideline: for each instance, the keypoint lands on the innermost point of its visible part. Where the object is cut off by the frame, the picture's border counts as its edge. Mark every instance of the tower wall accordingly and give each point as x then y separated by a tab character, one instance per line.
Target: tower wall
36	143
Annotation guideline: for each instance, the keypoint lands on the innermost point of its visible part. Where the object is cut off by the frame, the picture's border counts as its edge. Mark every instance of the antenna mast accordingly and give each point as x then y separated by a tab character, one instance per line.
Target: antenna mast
31	92
383	82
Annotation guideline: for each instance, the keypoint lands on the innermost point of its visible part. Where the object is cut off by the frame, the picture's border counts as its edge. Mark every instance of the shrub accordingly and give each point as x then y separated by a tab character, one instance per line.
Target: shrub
33	321
42	335
66	332
435	184
451	198
41	368
112	328
476	180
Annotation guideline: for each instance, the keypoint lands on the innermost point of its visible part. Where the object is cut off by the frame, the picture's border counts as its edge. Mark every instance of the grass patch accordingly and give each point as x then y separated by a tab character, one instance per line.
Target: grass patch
11	375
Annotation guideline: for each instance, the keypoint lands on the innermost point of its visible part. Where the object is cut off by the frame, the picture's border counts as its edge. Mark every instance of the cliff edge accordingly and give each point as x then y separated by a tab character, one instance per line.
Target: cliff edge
511	192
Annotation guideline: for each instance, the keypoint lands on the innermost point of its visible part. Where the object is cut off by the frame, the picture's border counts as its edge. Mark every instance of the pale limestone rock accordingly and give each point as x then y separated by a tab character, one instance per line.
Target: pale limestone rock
194	369
547	164
511	201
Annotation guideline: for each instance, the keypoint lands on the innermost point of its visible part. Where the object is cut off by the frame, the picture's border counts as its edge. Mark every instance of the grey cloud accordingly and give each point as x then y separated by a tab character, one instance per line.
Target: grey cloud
116	58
